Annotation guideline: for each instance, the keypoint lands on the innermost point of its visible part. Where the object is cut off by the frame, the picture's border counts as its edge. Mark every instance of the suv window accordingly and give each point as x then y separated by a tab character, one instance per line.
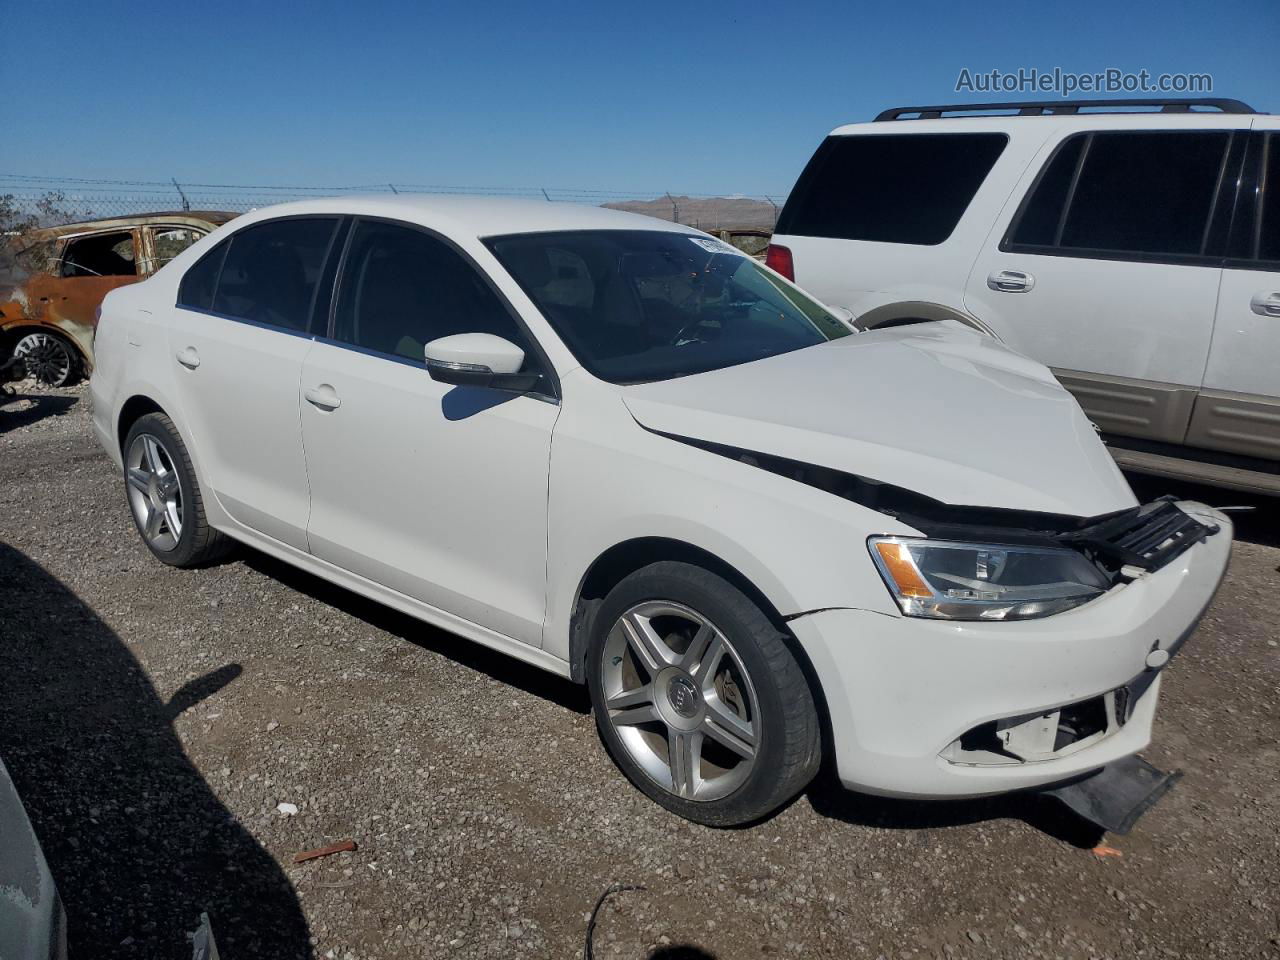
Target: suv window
891	188
402	288
1135	193
271	271
101	255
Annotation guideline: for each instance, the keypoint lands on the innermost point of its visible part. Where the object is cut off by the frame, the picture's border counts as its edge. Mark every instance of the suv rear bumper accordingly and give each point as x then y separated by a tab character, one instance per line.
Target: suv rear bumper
902	691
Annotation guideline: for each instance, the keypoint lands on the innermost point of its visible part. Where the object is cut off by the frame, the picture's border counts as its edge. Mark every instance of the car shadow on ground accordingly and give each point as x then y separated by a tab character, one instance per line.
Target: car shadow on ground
500	666
137	842
828	797
23	409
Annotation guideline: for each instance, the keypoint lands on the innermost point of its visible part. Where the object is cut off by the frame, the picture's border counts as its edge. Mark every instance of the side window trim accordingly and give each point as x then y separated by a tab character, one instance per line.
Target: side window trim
1244	245
1071	188
337	238
1260	194
348	230
530	344
1221	196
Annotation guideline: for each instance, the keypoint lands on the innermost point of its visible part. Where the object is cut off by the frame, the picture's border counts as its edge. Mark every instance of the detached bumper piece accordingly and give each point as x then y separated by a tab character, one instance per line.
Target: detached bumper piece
1117	795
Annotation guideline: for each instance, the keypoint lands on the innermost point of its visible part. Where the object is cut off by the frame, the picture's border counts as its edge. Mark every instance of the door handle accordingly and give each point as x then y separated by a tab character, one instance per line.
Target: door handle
1011	281
188	357
324	397
1266	304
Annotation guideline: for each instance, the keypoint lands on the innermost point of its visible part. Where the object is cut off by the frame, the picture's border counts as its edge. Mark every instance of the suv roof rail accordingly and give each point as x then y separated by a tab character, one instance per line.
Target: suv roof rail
1039	108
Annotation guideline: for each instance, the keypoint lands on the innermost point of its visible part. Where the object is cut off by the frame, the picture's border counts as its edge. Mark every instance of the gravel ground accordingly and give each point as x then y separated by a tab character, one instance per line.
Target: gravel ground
153	719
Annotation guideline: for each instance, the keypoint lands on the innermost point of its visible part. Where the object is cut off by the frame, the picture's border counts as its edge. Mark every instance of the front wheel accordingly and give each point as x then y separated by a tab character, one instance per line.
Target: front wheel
699	698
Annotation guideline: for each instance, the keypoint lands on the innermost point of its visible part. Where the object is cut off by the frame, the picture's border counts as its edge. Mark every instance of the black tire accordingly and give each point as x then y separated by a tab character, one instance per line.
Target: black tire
788	750
198	544
49	357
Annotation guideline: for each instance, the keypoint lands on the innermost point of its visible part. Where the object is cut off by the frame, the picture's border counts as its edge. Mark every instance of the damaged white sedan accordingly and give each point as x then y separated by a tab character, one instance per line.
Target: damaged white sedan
621	451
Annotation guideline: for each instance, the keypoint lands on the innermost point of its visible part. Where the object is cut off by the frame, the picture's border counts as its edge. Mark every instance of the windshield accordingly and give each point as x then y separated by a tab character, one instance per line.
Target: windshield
642	305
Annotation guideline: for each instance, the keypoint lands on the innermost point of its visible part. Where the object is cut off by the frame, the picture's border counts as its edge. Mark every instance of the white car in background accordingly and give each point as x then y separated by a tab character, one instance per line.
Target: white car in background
1131	245
624	452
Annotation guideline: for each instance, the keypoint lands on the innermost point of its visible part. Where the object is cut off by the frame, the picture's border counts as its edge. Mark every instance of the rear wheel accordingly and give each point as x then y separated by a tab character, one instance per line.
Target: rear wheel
164	496
699	698
49	358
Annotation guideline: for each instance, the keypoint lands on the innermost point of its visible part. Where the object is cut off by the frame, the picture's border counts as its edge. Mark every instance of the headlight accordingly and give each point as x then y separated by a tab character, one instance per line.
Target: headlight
976	581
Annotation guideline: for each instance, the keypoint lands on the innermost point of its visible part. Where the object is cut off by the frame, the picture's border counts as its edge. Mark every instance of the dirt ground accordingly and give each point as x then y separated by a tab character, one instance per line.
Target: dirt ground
153	719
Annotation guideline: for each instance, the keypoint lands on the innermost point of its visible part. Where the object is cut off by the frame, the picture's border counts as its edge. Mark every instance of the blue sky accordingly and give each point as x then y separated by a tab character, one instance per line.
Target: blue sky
688	97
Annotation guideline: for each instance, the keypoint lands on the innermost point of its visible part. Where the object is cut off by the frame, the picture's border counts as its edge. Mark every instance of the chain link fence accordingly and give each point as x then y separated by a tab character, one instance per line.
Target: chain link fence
68	199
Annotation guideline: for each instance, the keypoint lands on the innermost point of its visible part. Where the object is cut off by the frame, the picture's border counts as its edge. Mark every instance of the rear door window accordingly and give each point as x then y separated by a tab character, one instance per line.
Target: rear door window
1126	194
101	255
271	271
891	188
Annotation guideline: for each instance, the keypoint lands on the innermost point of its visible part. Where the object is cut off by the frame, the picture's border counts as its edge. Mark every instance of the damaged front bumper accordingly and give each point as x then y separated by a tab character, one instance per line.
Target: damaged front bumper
927	708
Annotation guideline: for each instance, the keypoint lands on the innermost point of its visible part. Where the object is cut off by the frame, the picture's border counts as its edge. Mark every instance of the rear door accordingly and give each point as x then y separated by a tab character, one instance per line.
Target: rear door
1238	410
238	337
88	268
1108	270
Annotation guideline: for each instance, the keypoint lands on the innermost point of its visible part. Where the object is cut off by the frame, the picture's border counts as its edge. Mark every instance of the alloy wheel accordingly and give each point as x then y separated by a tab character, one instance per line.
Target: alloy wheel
155	492
47	358
678	697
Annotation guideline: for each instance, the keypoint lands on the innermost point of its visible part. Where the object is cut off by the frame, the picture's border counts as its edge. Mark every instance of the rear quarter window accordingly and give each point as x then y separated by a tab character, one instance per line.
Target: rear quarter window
891	188
198	283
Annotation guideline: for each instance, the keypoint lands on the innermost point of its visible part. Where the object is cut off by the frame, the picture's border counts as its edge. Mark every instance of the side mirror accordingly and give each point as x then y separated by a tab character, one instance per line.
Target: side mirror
479	360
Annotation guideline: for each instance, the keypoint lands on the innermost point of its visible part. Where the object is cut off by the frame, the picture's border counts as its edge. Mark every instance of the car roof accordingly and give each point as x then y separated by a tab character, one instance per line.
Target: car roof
214	218
1012	122
473	216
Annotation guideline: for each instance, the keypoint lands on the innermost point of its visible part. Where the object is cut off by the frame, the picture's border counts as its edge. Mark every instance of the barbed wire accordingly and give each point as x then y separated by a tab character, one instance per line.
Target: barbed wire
91	197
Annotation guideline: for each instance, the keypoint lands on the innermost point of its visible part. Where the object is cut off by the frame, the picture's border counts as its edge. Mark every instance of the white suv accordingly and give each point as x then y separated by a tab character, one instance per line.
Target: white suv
629	454
1135	253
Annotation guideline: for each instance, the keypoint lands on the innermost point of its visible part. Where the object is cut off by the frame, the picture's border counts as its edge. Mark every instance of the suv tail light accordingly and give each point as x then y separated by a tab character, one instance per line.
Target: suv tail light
779	258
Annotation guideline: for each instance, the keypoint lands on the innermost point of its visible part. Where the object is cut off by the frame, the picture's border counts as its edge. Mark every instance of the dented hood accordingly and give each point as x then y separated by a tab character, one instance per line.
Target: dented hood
934	408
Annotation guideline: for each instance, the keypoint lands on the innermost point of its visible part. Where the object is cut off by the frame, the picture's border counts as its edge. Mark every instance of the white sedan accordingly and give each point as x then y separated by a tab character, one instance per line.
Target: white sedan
620	450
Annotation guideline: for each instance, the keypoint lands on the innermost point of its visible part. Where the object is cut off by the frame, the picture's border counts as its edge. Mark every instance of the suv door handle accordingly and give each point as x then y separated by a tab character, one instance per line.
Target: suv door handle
1011	281
1266	304
188	357
324	397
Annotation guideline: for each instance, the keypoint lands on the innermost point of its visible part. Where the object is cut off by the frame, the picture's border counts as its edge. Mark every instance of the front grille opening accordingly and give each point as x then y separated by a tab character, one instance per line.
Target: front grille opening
1079	722
1040	736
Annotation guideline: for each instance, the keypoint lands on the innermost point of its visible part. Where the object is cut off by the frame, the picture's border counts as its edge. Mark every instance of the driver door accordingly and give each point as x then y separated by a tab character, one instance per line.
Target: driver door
435	491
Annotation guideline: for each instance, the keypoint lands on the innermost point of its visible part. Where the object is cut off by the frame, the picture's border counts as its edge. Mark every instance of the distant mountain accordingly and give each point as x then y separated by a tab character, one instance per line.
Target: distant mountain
706	213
